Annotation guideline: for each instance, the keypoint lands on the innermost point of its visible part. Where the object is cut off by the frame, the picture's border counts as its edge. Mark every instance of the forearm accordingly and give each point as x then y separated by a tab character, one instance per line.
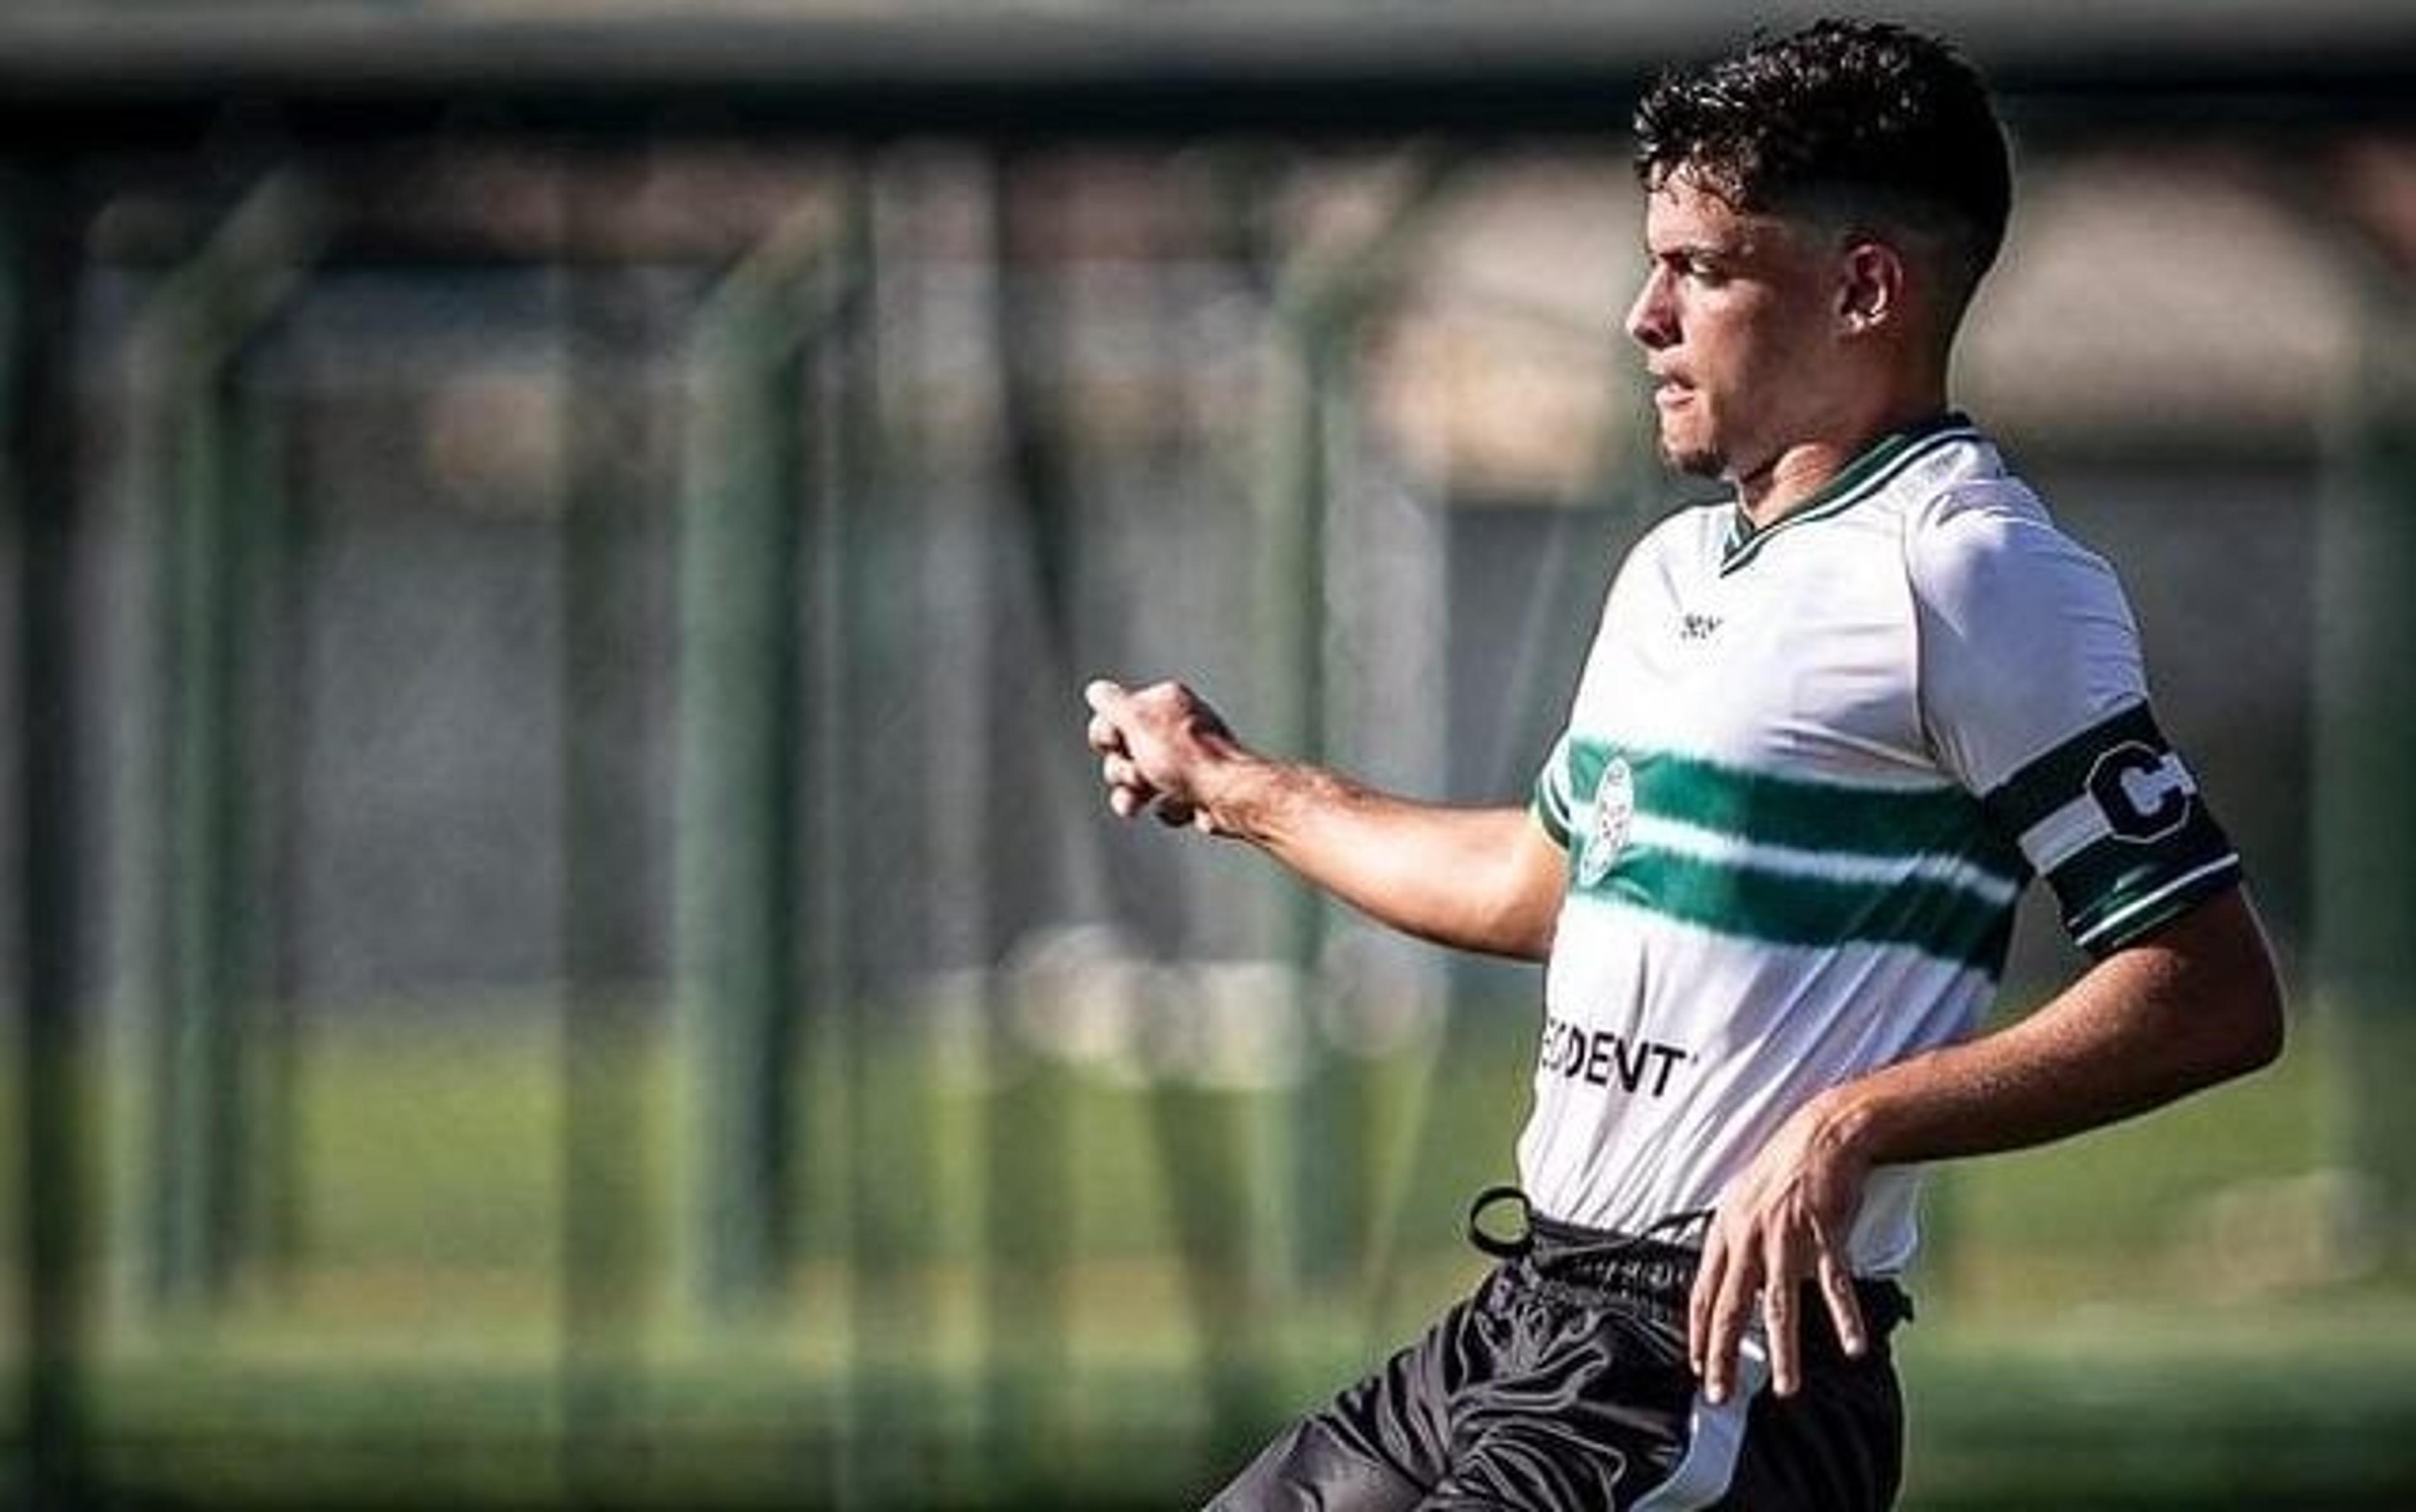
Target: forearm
1458	876
2191	1006
1480	879
2140	1029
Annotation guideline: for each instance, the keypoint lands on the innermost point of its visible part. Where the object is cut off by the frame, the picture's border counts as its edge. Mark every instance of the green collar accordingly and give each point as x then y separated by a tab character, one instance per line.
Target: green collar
1877	465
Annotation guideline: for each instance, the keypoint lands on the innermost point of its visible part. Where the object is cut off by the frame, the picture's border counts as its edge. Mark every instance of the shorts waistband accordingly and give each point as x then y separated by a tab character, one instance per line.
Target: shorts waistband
1652	1262
1655	1266
1659	1262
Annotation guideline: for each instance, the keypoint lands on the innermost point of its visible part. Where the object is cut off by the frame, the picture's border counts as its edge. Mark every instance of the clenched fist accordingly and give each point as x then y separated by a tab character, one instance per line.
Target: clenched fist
1161	748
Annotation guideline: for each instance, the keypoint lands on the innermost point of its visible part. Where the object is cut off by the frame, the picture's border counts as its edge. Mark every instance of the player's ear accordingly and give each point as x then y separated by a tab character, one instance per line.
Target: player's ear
1870	286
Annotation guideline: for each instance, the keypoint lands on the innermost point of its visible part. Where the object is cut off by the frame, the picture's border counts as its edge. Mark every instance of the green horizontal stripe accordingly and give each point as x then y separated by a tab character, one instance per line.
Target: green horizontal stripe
2100	877
1805	814
1938	919
2164	909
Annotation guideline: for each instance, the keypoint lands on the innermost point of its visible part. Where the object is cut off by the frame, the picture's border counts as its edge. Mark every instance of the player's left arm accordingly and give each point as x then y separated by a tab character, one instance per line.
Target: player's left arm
2194	1003
2034	697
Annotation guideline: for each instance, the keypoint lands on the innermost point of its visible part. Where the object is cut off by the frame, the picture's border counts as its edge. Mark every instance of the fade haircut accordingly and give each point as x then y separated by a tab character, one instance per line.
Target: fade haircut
1866	121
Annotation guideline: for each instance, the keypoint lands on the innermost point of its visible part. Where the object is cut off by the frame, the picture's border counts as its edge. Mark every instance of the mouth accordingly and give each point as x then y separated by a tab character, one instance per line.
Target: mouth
1669	393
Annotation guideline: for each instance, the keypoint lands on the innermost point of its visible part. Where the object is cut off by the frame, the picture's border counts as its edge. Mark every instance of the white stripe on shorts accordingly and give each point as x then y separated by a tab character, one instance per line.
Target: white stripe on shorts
1714	1437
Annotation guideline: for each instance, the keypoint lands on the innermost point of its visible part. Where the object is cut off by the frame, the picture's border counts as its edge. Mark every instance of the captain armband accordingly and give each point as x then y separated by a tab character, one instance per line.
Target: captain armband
2115	823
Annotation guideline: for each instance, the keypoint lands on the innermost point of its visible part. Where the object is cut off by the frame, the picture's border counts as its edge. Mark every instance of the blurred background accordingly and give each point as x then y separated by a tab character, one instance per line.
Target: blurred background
562	948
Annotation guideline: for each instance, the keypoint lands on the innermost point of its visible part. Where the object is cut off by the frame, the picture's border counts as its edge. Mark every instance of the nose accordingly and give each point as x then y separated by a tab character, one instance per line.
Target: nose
1651	322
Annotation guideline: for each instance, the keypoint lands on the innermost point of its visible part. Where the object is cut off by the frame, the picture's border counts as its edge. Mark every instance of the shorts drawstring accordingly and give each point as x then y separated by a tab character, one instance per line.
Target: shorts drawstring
1494	1245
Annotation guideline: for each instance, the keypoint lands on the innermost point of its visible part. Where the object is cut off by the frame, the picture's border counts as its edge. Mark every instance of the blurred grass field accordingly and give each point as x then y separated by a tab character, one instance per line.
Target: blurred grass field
2163	1308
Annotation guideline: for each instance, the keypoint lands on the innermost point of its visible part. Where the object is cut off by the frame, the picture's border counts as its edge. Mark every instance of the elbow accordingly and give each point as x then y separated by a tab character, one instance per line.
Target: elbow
1536	940
2260	1033
2265	1032
2254	1021
1521	934
2232	1034
2239	989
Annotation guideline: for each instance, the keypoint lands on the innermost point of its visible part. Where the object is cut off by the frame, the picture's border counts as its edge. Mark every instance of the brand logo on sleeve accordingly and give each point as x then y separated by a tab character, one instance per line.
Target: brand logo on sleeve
2144	793
1614	811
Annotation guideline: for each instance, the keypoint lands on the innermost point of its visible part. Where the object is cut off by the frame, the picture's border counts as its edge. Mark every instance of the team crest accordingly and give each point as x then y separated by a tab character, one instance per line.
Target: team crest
1614	809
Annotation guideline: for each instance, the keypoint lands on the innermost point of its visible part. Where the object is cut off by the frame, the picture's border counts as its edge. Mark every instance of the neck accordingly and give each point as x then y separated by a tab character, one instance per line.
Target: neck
1800	469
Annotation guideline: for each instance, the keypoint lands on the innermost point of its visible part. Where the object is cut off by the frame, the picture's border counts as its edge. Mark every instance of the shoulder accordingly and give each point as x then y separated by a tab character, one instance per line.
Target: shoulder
1988	540
2024	634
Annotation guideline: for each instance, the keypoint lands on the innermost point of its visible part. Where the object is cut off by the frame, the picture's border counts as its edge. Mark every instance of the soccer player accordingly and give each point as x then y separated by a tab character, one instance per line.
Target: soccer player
1828	729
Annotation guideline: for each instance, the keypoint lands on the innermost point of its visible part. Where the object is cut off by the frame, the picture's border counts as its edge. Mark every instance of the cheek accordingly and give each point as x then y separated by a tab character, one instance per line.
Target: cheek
1728	328
1788	336
1759	354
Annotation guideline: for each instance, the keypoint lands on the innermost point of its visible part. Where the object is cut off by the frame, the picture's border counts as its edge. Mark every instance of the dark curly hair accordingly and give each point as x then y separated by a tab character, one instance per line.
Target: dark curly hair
1877	122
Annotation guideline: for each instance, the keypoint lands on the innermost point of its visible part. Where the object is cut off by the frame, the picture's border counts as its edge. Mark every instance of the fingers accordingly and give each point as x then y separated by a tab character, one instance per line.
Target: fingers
1770	1250
1706	1291
1725	1311
1765	1274
1845	1308
1128	791
1781	1275
1151	742
1730	1312
1797	1255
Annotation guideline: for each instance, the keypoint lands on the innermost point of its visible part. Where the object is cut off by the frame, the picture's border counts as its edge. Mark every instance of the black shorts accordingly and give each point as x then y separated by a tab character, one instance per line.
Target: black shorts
1563	1384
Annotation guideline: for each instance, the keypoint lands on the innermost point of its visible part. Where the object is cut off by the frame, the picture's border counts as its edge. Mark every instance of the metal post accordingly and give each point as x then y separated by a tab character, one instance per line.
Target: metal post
203	328
738	888
1317	1145
737	884
200	1129
1301	1231
2364	808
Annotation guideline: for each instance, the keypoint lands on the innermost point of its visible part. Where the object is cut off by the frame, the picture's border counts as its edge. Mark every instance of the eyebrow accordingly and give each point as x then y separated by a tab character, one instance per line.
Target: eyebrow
1689	251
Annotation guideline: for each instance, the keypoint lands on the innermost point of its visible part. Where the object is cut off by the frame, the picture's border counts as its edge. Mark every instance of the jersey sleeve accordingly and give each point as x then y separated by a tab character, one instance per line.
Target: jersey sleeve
2035	699
1554	804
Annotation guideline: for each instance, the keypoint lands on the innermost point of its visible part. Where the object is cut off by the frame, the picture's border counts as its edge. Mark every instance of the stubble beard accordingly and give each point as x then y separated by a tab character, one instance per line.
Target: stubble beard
1694	461
1699	460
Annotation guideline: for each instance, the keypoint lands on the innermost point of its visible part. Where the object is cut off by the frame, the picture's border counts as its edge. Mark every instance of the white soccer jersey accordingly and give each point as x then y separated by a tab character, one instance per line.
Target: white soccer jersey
1808	772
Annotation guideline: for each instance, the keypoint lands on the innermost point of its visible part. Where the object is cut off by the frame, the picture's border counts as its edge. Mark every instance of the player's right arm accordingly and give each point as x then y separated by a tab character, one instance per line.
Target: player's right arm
1479	878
